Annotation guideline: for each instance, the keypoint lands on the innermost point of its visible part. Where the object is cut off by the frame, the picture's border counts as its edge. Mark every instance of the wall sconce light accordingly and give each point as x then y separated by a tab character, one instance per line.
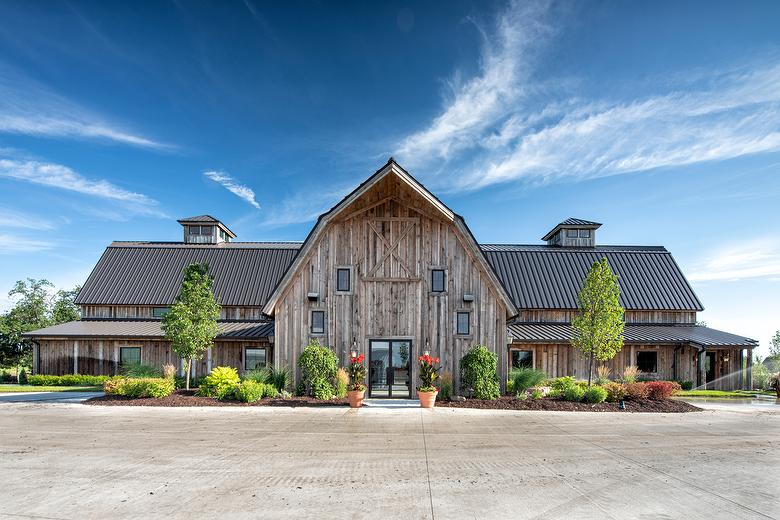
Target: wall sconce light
427	351
354	352
468	297
313	296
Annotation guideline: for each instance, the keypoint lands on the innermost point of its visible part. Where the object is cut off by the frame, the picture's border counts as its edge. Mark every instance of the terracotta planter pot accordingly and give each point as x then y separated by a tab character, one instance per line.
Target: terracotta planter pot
427	399
356	398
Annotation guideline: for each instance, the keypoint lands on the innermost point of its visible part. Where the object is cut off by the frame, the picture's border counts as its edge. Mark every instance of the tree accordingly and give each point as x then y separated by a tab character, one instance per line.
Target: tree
774	347
191	324
598	327
64	309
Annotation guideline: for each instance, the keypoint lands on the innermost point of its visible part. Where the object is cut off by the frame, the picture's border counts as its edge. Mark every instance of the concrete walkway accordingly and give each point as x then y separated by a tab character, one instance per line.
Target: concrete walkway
62	397
75	461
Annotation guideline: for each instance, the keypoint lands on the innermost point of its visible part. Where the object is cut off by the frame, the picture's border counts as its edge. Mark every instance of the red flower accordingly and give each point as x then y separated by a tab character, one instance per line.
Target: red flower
436	360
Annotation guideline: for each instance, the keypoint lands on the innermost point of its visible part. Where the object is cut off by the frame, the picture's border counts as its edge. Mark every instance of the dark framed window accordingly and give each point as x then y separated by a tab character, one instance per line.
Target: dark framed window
584	233
343	281
318	322
255	358
647	361
571	233
463	323
522	359
193	230
437	280
159	312
129	356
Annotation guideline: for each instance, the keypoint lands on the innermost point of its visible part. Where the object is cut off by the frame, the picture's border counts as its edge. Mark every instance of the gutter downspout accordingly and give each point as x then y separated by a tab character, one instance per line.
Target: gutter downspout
701	378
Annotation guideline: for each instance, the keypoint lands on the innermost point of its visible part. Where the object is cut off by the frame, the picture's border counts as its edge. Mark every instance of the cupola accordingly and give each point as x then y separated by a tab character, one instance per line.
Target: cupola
205	229
573	232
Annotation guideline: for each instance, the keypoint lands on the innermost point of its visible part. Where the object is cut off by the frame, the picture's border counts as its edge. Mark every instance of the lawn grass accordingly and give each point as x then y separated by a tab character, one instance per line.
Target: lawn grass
738	394
6	388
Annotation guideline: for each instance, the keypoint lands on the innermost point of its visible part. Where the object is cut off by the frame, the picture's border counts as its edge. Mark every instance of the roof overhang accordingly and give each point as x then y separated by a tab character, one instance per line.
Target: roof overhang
564	225
151	329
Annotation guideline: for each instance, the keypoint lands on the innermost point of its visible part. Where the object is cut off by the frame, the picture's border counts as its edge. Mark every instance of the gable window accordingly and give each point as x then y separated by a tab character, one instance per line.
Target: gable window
201	230
318	322
584	233
343	279
522	359
647	361
571	233
159	312
463	325
129	356
437	280
255	358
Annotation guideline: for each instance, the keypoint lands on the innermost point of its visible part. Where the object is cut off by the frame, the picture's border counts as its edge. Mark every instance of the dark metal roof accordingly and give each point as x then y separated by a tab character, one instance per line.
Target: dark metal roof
548	277
655	334
137	273
147	329
572	223
199	218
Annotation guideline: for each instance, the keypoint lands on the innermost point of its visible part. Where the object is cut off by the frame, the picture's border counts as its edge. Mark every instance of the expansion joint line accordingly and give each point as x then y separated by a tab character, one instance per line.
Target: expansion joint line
427	467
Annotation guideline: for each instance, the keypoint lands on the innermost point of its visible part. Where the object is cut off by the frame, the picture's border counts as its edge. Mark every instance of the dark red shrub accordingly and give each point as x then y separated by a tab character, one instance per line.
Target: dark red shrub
660	390
636	391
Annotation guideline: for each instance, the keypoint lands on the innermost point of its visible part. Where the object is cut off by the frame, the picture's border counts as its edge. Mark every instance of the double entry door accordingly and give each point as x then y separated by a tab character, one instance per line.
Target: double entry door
389	373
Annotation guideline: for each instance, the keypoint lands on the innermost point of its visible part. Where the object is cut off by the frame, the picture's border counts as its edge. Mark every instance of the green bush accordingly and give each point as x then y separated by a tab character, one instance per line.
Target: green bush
318	366
574	393
761	376
219	383
445	385
524	378
138	370
615	392
559	386
478	375
342	380
686	385
279	377
140	387
595	394
258	375
22	378
66	380
249	391
537	394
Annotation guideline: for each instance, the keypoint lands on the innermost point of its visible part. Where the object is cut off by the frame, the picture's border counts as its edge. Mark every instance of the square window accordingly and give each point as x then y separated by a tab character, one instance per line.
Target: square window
159	312
129	356
571	233
207	230
437	280
318	322
647	361
584	233
255	358
194	230
522	359
463	325
342	279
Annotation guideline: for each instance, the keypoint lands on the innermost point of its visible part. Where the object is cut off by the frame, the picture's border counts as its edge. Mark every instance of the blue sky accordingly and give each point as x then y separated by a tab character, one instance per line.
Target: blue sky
659	119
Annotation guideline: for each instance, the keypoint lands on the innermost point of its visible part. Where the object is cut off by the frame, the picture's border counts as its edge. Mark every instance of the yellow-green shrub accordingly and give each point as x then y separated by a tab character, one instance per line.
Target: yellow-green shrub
220	383
140	387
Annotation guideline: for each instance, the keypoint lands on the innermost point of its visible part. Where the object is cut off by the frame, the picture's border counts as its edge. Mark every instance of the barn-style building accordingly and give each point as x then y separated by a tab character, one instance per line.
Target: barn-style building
392	272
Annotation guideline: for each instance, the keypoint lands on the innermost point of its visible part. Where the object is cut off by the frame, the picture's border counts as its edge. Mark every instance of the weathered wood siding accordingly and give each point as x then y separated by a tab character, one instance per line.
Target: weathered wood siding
145	312
632	317
391	239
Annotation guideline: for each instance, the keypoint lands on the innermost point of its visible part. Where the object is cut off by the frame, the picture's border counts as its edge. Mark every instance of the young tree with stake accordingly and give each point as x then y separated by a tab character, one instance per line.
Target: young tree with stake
191	324
598	327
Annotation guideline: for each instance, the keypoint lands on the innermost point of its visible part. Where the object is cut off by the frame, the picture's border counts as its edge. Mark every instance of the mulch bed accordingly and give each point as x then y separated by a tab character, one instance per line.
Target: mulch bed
510	403
188	398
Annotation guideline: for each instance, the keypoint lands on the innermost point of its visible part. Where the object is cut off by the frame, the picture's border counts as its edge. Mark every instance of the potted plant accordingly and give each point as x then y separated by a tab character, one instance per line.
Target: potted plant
356	391
428	374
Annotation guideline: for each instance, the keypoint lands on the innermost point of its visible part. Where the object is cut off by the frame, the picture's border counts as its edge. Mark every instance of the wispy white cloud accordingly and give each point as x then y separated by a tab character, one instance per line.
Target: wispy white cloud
303	206
29	108
10	218
10	244
759	258
230	184
490	131
62	177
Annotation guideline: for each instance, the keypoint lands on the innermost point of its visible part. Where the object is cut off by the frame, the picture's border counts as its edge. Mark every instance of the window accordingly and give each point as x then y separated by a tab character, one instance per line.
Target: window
342	279
437	280
571	233
463	323
647	361
129	356
159	312
255	357
201	230
194	230
584	233
522	359
318	322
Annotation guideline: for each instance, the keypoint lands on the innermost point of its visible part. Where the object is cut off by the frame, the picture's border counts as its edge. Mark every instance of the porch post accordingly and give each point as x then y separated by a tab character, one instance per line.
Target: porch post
750	369
702	368
76	357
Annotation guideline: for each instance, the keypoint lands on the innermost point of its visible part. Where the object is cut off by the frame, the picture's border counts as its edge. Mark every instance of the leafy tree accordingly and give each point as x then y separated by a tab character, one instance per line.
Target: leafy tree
598	327
64	309
191	324
774	345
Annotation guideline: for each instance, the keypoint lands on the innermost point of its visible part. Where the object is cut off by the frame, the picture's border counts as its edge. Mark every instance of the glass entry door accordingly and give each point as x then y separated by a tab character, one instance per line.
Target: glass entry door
388	368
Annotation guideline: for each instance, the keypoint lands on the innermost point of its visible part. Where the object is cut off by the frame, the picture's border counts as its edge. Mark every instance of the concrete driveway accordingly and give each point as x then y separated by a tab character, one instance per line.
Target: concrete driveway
77	461
62	397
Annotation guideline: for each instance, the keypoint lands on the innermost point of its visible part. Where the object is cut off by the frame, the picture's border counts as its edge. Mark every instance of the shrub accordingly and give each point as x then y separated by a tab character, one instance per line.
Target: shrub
559	386
318	366
661	390
602	374
249	391
537	394
595	394
761	377
686	385
219	383
258	375
574	393
169	371
5	377
636	391
138	370
478	373
445	384
279	377
300	389
140	387
630	373
66	380
524	378
342	381
22	377
615	392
